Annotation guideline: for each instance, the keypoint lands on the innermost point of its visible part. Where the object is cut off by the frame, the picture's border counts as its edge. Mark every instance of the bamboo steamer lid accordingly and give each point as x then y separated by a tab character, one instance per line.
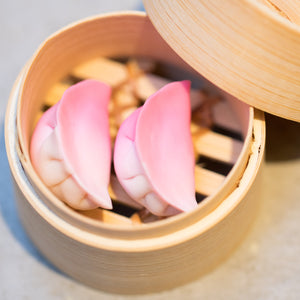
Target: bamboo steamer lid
249	48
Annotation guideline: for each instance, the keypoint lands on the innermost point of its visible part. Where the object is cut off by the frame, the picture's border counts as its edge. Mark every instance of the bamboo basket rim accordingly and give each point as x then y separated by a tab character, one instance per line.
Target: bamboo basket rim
193	229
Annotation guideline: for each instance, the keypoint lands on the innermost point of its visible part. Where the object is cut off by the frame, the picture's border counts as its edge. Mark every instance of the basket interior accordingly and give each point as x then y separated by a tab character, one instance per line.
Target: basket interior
127	52
218	132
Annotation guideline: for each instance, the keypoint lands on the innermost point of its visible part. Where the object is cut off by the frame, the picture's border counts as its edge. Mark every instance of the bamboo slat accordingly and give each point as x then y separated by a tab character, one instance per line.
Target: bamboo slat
217	146
55	93
207	182
108	71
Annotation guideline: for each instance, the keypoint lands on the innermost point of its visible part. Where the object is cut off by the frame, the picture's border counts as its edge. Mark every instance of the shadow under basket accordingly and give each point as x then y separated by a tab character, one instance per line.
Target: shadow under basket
121	252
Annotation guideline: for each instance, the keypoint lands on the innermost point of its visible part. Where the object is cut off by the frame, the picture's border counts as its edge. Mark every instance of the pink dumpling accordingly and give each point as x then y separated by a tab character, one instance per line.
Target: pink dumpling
153	157
70	147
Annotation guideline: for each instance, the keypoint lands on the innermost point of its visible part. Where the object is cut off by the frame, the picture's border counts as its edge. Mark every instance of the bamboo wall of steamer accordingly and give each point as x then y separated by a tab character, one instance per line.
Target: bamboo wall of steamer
108	250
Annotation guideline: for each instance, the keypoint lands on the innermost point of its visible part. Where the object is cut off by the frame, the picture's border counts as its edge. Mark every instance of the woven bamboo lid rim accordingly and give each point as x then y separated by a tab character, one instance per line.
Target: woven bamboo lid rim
242	46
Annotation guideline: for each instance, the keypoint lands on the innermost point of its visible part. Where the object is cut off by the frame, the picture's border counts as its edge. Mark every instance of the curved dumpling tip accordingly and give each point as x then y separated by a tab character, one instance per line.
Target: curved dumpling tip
153	157
70	147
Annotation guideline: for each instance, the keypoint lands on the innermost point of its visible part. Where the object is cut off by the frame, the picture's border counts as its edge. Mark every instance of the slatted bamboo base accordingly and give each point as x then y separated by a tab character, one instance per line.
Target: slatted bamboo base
128	250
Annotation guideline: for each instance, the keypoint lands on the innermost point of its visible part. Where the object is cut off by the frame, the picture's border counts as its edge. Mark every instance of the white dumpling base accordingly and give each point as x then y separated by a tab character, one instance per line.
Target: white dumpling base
55	174
138	186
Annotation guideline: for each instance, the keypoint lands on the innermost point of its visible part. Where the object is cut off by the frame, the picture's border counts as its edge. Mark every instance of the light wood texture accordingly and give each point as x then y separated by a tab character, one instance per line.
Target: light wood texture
134	257
37	117
287	9
102	69
125	96
147	84
106	217
217	146
234	44
207	182
139	66
55	93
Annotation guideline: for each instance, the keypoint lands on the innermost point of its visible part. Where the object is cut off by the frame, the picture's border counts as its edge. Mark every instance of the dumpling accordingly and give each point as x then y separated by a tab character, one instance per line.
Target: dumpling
153	156
71	149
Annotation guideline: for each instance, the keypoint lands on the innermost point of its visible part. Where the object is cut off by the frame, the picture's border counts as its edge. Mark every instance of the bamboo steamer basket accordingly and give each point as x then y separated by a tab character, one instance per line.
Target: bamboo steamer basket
116	254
